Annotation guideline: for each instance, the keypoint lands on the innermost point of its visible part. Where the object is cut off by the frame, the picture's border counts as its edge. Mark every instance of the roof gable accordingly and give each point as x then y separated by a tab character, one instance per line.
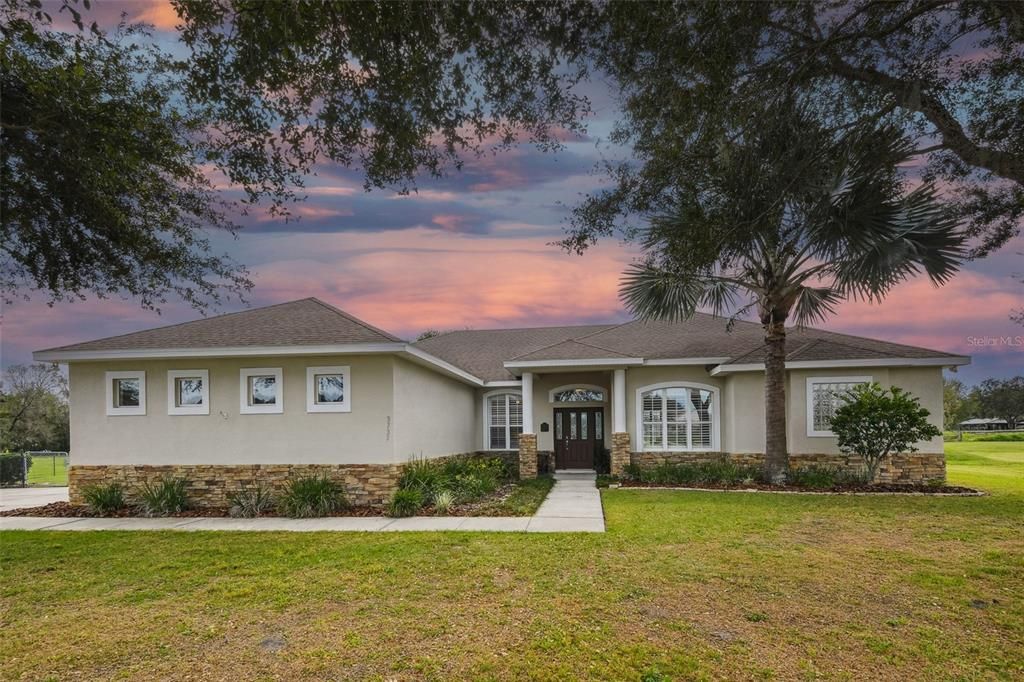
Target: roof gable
307	322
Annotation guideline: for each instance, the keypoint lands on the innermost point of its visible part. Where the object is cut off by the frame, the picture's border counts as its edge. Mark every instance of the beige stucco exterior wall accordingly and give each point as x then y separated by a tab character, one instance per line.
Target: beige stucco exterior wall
433	413
743	405
364	435
400	409
924	382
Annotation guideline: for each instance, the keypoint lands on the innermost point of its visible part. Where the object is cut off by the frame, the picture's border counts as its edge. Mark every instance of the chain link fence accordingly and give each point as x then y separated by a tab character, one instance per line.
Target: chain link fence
33	468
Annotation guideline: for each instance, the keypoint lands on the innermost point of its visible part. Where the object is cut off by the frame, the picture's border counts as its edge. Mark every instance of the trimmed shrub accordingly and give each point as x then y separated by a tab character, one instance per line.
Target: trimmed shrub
104	499
443	502
250	502
875	422
13	468
312	496
165	498
632	472
405	503
703	473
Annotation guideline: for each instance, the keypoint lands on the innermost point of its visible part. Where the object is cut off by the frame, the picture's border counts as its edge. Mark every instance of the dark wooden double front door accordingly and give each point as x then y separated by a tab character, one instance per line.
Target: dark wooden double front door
579	436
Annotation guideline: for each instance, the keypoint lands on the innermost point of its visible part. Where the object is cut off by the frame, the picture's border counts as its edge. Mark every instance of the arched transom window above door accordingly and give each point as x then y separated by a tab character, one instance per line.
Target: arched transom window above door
577	393
678	417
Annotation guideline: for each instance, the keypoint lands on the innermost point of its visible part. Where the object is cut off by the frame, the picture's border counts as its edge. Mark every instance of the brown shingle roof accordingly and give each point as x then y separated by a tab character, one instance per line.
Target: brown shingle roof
307	322
482	352
571	350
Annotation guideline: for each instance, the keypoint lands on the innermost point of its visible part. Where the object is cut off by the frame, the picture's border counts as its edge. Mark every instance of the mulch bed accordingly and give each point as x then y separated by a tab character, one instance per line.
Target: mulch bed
486	506
881	488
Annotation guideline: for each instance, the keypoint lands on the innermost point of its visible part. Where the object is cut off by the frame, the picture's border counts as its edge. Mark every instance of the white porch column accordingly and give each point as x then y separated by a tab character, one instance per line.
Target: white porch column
527	402
621	453
527	439
618	401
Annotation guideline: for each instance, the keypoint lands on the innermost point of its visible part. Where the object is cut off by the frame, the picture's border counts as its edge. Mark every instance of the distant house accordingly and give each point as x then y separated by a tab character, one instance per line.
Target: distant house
984	424
302	387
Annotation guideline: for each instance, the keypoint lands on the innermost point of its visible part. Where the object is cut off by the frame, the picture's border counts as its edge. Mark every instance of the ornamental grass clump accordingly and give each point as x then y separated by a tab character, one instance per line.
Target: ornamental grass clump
466	478
166	497
104	500
312	497
443	502
405	503
251	502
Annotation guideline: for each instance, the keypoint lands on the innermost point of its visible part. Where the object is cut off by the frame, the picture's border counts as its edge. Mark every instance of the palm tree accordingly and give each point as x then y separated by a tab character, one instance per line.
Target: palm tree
789	222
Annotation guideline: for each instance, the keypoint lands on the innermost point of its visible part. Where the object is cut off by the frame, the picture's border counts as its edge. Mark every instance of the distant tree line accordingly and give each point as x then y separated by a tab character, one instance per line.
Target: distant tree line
999	398
34	409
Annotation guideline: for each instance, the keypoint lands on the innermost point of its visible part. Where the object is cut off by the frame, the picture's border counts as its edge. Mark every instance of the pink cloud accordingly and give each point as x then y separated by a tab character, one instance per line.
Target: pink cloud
450	222
160	13
916	312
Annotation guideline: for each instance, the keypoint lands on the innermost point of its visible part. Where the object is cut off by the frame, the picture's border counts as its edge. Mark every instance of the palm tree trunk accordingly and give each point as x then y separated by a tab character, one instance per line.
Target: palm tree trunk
776	456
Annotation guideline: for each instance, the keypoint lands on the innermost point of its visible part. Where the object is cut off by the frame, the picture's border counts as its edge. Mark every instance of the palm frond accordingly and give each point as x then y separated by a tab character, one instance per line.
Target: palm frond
815	304
653	293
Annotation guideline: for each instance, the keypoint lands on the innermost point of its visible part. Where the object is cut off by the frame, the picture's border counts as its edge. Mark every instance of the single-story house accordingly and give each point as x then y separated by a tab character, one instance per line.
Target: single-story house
270	393
984	424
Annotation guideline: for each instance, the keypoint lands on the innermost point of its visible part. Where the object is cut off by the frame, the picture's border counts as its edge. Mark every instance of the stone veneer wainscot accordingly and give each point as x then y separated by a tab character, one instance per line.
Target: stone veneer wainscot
210	485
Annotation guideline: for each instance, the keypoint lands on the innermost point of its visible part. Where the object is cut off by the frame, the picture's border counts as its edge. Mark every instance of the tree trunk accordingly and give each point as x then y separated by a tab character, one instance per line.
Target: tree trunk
776	454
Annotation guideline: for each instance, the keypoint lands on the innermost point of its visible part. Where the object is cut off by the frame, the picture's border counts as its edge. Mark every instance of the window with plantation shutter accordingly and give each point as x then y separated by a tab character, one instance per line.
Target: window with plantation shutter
679	417
504	413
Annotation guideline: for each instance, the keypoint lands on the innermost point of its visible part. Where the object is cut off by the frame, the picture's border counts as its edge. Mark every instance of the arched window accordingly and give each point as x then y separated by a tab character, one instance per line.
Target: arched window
678	417
503	417
577	393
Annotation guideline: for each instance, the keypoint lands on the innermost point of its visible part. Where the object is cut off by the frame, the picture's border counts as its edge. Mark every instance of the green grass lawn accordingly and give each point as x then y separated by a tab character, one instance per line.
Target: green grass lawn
684	585
48	471
997	467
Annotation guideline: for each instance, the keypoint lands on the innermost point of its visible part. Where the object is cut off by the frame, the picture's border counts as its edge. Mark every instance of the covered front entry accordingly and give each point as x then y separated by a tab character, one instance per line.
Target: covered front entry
579	436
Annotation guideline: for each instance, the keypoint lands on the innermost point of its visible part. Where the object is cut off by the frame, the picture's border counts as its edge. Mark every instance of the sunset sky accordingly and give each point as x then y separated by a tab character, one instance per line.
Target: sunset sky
474	250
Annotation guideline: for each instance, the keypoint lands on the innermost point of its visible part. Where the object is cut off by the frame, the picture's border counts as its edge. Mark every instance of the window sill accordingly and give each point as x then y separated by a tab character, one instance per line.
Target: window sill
187	411
126	412
276	409
327	409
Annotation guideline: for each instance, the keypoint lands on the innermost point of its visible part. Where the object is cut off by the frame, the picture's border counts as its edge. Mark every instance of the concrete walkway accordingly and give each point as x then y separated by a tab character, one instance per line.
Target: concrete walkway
572	506
18	498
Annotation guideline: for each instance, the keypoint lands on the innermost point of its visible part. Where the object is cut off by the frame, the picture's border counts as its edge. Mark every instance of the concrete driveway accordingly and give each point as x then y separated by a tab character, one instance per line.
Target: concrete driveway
16	498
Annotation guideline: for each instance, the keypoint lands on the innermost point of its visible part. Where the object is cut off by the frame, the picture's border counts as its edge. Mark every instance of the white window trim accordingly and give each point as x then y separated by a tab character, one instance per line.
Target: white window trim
172	395
809	400
716	417
243	389
487	419
312	405
568	387
113	411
